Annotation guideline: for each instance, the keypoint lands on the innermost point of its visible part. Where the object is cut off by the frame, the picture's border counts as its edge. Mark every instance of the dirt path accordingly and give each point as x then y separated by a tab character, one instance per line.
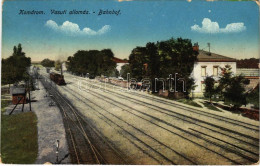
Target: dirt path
50	129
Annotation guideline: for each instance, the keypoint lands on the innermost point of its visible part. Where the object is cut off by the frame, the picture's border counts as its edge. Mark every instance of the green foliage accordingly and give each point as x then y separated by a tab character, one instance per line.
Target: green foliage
189	102
94	62
47	63
14	68
177	56
190	85
231	88
235	92
19	143
211	106
4	103
159	60
124	70
225	77
137	60
209	87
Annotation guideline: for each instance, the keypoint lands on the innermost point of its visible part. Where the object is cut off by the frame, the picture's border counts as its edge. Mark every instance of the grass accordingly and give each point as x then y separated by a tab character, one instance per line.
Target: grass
18	137
4	103
189	102
210	106
215	99
184	101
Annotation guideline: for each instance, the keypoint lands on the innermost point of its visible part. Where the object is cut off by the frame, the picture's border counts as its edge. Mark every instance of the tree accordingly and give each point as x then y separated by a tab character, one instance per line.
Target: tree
18	51
190	85
115	73
94	62
10	73
232	88
47	63
14	67
209	87
225	76
124	70
107	65
159	60
235	92
177	56
137	59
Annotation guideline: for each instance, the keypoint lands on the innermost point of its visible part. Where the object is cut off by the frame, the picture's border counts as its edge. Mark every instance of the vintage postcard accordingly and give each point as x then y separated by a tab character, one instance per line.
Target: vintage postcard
130	82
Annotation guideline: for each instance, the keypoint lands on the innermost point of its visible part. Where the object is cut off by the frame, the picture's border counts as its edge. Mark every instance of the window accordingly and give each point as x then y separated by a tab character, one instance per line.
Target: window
203	71
215	70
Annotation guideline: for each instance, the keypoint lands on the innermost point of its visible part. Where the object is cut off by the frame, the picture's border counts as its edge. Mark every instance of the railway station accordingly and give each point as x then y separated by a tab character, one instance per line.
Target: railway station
202	131
130	83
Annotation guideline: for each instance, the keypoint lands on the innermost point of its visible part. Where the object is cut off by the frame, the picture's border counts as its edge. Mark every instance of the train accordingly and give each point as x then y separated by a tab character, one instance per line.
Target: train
57	78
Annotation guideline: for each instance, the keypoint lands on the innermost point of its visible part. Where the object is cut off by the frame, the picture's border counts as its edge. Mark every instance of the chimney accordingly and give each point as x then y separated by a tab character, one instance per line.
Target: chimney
196	47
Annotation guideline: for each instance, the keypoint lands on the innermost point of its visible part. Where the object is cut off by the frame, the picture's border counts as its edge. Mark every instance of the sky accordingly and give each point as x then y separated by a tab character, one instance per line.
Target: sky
231	28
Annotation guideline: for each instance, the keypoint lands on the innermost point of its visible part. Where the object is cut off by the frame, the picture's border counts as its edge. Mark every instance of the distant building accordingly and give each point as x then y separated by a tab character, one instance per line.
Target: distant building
120	63
208	64
248	72
252	74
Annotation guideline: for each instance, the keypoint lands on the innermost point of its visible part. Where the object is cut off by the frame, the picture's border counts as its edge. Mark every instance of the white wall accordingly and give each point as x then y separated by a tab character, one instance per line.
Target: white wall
196	74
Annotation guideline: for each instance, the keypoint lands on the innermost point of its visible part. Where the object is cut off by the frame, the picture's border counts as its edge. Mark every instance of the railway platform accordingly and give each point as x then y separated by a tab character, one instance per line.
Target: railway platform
50	129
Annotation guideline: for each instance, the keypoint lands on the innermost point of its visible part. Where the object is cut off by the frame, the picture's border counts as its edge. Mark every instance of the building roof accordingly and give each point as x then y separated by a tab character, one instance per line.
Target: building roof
251	63
18	91
248	72
117	60
205	56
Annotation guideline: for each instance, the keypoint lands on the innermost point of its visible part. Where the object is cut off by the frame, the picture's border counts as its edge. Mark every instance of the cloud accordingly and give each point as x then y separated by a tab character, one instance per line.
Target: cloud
213	27
70	28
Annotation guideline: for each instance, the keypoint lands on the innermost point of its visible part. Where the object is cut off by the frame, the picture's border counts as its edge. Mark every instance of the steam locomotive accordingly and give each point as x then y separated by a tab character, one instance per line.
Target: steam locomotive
57	78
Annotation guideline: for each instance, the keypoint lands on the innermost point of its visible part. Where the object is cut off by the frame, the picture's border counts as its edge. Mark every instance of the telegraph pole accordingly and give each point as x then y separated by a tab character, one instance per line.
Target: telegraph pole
30	96
57	151
61	72
29	89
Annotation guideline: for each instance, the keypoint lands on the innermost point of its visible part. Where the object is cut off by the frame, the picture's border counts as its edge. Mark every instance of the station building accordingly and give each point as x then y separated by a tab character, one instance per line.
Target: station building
208	64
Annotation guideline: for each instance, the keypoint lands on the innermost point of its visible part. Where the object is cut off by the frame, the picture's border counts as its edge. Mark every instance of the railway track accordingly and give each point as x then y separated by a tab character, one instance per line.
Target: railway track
236	137
193	110
175	133
124	132
127	132
184	117
86	145
232	149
